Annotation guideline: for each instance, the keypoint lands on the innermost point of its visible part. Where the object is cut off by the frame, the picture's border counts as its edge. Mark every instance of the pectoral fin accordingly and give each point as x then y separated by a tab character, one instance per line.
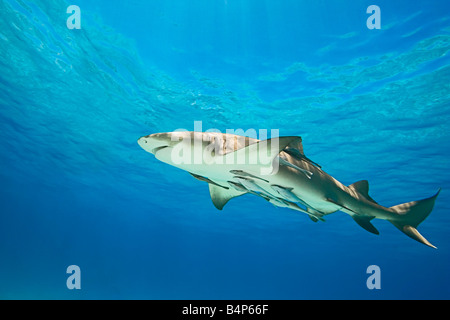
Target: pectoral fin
221	196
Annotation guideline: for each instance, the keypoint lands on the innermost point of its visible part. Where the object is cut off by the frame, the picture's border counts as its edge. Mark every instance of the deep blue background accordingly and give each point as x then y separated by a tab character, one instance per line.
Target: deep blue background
77	189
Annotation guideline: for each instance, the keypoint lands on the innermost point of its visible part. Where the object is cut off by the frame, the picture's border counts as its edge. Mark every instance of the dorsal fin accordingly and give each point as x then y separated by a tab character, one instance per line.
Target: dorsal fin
260	153
297	144
362	187
221	196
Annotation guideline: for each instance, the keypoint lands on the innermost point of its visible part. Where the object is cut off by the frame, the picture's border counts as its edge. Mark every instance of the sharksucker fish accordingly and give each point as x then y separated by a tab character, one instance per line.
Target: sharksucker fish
278	171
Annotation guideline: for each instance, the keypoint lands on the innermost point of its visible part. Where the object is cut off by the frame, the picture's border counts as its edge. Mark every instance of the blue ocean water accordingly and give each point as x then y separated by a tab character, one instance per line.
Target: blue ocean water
76	189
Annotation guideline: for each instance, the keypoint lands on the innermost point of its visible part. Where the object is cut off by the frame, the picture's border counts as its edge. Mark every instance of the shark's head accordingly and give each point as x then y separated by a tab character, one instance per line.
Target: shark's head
206	153
187	150
155	142
166	146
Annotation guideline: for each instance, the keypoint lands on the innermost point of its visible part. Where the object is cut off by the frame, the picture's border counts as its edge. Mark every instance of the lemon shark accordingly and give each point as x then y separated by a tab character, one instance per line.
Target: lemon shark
278	171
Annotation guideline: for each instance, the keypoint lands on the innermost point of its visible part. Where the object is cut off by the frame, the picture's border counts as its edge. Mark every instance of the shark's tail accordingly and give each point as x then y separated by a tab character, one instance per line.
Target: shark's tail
411	214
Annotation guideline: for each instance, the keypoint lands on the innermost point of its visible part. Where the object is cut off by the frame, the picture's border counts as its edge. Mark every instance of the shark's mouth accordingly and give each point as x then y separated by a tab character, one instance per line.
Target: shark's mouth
154	151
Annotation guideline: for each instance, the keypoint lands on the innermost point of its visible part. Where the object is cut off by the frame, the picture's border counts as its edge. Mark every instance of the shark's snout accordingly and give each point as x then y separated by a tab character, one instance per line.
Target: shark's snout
154	142
148	143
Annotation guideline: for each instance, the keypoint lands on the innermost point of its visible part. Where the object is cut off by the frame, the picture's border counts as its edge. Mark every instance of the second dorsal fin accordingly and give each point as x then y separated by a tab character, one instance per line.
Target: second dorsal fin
362	187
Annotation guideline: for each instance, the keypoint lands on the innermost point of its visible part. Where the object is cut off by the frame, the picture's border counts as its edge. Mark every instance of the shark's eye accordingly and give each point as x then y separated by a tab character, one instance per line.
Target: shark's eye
145	141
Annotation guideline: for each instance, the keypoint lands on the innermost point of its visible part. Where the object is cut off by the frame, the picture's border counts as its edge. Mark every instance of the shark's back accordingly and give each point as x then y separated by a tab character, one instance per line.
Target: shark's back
223	142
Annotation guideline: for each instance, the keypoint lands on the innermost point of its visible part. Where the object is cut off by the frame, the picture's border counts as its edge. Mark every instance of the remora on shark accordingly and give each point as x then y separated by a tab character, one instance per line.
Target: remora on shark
278	171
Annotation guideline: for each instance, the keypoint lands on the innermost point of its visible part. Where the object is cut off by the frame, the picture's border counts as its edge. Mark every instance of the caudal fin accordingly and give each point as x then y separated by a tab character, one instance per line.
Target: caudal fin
411	214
